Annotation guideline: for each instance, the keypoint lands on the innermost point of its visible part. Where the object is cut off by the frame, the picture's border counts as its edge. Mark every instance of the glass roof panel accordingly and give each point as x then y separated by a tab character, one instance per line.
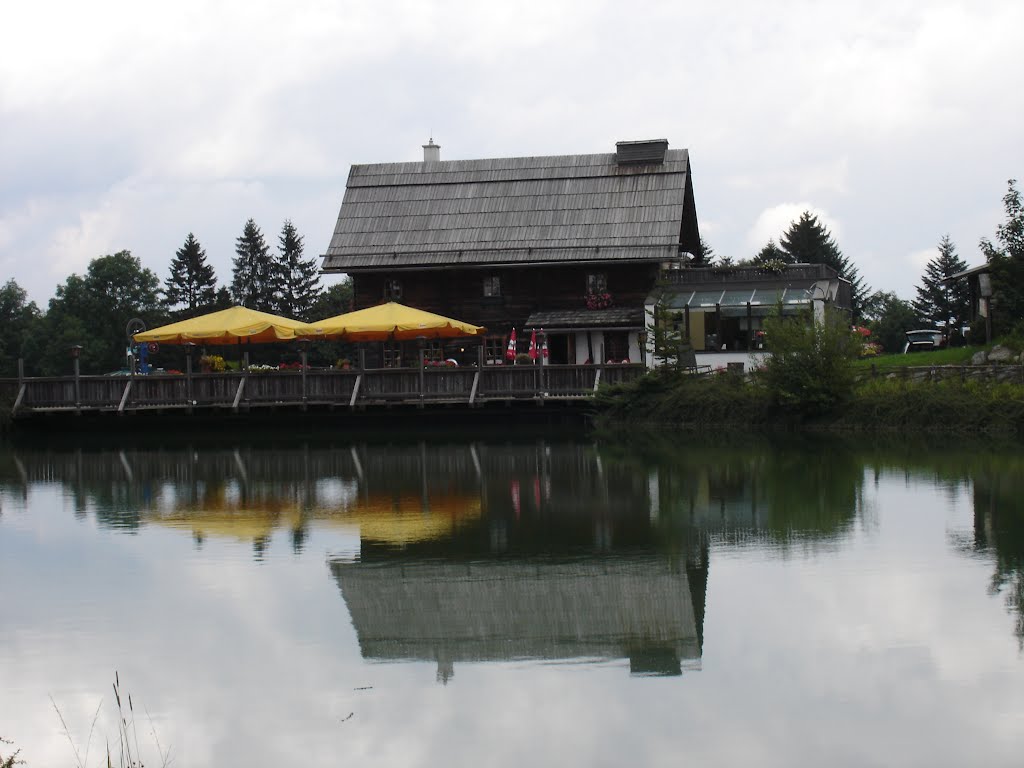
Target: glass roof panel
737	298
767	295
797	296
706	298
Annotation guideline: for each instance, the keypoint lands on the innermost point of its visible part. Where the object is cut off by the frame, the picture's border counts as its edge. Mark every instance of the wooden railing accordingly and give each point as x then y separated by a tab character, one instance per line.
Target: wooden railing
244	390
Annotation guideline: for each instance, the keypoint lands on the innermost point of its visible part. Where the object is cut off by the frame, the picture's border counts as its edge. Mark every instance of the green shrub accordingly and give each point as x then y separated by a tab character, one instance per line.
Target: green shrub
809	372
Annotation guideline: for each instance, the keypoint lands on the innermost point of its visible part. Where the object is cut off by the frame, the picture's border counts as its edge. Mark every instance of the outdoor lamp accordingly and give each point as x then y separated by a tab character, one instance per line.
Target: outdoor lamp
76	351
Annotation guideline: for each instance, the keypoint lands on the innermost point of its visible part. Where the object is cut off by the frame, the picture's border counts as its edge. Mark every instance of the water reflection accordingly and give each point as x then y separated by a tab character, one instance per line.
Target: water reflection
479	551
258	595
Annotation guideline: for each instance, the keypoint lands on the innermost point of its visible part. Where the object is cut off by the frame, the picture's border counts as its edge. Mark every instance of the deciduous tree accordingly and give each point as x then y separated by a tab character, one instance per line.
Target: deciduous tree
1006	259
94	310
17	317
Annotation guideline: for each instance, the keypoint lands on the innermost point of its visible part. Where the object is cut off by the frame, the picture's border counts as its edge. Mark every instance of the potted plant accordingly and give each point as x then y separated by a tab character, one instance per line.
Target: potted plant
212	364
343	363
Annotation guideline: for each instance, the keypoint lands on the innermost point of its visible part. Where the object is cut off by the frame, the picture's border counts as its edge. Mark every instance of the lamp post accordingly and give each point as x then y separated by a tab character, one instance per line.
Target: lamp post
76	353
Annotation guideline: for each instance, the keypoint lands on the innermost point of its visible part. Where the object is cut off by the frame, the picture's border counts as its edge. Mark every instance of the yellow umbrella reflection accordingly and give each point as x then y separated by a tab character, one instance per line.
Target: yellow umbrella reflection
394	520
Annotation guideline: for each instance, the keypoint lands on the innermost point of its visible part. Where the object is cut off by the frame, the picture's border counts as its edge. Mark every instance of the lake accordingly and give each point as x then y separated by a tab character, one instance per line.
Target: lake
542	601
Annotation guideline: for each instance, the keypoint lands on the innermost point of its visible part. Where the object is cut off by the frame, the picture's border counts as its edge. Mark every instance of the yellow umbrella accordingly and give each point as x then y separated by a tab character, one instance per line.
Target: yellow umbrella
229	326
386	322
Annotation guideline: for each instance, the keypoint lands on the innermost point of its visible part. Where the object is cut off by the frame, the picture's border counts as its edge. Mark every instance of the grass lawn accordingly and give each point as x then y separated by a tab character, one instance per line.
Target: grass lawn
951	356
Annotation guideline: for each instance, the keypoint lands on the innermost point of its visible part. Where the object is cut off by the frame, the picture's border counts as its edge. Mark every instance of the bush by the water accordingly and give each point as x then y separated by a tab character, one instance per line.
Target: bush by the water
809	372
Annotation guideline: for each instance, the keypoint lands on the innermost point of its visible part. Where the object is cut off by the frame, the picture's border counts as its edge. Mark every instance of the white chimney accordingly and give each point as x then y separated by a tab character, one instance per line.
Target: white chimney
431	152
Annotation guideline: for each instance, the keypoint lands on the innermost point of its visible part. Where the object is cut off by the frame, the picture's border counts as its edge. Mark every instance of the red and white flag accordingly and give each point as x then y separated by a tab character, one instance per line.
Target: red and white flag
510	353
533	345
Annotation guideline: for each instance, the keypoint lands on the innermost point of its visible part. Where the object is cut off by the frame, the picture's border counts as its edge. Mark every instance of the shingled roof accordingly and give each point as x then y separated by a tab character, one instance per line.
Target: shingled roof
579	208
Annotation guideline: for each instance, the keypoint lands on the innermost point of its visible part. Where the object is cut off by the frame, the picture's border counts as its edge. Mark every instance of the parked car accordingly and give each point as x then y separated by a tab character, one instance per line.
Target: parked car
924	340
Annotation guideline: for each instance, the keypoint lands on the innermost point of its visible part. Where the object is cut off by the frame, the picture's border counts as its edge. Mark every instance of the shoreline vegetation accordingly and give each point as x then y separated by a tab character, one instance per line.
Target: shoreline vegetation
814	378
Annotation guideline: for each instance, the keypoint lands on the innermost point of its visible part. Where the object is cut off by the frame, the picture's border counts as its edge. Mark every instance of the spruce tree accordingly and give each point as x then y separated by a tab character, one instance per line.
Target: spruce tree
192	284
254	279
808	241
299	278
772	253
939	303
705	254
1006	260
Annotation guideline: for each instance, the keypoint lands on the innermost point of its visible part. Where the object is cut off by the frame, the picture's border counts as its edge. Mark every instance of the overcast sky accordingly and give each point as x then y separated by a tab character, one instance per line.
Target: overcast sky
127	125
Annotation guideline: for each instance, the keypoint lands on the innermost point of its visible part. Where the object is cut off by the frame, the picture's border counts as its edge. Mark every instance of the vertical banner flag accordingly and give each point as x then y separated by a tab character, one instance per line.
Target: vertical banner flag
533	345
510	353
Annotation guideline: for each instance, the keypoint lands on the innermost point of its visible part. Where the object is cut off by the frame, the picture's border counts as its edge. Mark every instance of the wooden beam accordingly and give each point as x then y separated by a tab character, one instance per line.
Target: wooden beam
476	384
124	396
355	391
597	378
19	398
238	394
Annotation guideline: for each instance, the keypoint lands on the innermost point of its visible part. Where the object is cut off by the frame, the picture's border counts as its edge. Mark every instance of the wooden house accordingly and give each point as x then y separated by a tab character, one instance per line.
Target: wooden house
569	245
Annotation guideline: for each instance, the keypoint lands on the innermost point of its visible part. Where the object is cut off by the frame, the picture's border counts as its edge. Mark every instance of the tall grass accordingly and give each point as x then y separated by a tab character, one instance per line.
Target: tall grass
128	753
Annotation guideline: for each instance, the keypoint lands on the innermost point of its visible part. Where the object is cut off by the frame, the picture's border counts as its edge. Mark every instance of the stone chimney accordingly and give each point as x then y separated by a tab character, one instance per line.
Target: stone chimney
431	152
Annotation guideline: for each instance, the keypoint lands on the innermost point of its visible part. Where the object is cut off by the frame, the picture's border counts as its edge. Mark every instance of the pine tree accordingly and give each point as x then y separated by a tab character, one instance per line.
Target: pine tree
807	241
299	278
192	283
253	281
1007	263
772	253
705	254
939	303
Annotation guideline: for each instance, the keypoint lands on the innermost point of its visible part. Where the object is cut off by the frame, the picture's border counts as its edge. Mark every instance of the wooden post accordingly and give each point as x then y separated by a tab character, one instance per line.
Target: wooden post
188	377
76	351
421	373
480	356
21	370
750	327
362	358
303	345
245	361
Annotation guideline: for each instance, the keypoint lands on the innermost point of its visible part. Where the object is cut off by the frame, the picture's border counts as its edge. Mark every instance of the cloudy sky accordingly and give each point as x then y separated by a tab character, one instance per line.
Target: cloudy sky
127	125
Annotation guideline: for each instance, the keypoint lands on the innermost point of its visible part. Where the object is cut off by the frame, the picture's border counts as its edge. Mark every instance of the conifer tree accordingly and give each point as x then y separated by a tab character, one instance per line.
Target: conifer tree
192	285
772	253
705	254
939	303
808	241
299	278
254	281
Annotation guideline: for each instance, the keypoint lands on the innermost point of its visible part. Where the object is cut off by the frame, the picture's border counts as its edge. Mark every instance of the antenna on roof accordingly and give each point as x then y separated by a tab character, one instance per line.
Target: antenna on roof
431	151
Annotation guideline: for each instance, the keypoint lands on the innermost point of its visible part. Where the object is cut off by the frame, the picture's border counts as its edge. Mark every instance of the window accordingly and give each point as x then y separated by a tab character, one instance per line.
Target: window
393	290
494	350
492	286
392	355
434	351
597	282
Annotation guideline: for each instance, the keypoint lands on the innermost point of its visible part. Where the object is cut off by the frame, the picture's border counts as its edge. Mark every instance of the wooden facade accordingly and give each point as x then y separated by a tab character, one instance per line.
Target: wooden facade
520	243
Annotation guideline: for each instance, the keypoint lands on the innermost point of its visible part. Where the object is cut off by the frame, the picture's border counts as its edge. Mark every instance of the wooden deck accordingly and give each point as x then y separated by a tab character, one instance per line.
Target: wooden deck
353	389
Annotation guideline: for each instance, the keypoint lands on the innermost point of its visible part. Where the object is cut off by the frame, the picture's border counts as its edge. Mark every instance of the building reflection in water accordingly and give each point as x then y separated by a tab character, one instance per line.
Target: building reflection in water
484	551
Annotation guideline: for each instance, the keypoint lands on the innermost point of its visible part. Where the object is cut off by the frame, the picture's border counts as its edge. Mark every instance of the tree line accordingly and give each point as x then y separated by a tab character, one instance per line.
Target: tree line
92	310
938	303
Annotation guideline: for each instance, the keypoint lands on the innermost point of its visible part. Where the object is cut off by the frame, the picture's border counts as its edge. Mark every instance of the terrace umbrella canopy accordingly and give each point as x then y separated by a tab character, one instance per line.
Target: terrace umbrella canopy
228	326
388	322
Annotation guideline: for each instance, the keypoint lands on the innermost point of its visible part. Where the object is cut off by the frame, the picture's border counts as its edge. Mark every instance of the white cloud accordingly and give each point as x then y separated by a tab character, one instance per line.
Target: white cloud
773	222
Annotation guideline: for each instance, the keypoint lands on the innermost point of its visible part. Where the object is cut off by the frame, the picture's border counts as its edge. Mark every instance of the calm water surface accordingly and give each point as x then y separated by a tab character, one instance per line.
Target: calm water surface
540	603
